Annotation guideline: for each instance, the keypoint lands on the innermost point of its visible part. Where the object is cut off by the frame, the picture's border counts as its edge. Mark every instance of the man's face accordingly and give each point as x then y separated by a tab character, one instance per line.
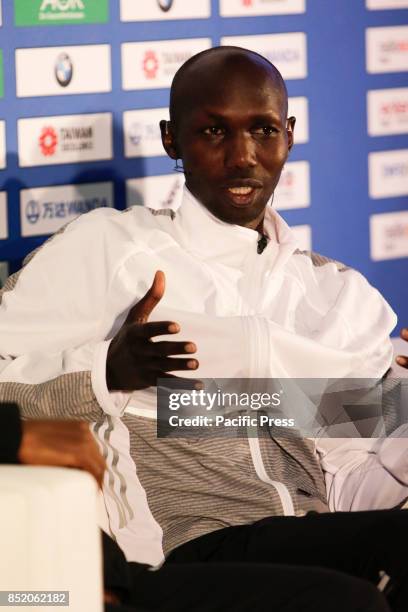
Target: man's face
234	139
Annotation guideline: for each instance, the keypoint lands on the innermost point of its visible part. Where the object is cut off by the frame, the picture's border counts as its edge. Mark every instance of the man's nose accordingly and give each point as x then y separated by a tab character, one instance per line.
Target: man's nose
240	151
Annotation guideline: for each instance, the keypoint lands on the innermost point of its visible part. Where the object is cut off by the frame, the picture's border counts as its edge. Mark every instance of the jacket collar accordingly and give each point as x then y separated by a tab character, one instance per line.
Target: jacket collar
208	237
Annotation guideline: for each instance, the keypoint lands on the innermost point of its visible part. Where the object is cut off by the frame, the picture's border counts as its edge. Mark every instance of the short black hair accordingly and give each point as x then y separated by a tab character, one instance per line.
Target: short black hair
177	92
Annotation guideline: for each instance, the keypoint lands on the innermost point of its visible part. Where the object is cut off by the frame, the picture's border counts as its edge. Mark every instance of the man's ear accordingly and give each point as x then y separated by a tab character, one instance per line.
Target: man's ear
168	139
290	129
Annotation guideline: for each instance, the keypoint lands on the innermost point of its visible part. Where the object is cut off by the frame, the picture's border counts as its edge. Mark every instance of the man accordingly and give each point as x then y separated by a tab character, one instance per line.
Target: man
228	586
245	310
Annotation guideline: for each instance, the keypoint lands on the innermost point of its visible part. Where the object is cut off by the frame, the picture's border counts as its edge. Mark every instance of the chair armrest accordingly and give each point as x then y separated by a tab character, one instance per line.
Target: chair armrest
49	535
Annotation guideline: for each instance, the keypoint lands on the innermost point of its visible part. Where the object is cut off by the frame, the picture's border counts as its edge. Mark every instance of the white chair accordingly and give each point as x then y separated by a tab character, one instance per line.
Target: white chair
49	536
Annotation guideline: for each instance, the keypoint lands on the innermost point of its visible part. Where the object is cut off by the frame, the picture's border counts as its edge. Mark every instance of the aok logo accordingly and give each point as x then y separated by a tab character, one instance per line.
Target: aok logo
62	5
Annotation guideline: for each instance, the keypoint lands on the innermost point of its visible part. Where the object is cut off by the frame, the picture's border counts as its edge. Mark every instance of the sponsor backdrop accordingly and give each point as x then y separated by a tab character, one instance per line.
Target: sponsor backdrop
84	83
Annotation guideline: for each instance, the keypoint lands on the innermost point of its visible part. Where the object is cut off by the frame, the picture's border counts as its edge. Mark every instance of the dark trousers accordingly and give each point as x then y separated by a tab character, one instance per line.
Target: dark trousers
360	544
235	587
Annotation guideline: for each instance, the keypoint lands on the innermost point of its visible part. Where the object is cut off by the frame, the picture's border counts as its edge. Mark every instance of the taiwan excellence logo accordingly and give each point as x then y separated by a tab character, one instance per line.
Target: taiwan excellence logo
150	64
165	5
247	2
64	69
32	211
48	141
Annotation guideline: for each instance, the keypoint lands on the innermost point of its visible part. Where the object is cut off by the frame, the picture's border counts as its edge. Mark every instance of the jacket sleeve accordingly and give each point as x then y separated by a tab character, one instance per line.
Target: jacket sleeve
58	346
10	433
52	350
368	474
359	476
53	346
327	339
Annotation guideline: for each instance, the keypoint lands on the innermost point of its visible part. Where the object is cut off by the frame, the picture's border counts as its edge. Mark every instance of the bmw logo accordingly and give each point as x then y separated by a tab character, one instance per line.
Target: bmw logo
165	5
63	69
32	211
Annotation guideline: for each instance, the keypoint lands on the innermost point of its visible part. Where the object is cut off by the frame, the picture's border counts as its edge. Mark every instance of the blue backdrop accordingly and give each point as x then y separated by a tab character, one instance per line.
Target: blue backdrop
336	87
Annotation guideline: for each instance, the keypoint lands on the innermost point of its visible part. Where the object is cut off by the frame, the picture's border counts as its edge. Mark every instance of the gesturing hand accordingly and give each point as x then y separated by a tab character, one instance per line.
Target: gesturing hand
134	361
402	360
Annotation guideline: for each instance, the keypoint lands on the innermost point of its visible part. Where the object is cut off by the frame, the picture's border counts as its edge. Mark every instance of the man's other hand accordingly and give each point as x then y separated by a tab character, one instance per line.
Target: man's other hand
402	360
134	361
62	443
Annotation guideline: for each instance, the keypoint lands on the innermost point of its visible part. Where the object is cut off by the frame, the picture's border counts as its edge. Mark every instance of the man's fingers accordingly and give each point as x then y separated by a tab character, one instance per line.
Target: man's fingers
142	310
177	382
164	348
157	328
402	361
173	365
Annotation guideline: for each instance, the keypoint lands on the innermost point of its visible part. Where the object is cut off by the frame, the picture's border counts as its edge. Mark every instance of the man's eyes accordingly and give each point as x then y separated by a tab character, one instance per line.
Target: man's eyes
261	130
265	130
214	130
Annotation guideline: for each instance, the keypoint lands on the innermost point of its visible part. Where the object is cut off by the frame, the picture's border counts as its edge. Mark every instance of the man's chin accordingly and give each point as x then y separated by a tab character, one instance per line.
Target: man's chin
244	216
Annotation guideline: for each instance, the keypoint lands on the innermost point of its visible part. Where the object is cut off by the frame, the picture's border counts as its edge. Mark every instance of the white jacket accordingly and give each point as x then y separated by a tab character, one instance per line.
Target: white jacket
272	315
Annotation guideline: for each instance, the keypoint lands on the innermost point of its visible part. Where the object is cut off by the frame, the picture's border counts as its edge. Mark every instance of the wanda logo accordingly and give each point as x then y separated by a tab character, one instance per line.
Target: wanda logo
48	141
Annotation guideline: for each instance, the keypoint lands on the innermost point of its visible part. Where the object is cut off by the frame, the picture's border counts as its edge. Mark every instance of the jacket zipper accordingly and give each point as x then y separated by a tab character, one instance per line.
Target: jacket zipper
259	327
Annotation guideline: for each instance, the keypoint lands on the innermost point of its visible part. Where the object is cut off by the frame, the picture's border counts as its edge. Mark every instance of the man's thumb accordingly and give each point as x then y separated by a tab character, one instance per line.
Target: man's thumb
142	310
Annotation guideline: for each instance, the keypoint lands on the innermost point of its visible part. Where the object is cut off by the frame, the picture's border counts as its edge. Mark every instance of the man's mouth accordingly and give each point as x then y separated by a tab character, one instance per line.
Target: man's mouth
243	192
240	190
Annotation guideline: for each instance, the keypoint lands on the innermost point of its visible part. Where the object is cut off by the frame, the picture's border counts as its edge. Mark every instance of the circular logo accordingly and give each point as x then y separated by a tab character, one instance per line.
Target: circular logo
32	211
165	5
150	64
48	141
63	69
136	134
